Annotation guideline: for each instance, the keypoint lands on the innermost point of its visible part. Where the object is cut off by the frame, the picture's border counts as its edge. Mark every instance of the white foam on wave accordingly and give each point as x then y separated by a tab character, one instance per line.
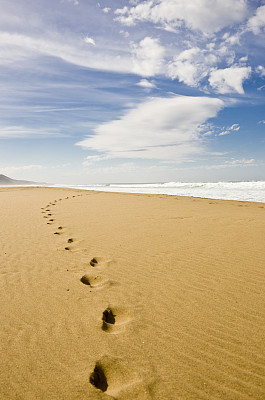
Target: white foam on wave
244	191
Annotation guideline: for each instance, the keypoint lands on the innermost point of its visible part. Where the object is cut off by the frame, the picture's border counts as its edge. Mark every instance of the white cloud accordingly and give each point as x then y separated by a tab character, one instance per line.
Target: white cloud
229	129
257	23
243	60
106	10
202	15
90	40
260	70
91	160
191	66
11	132
160	128
261	122
233	39
146	84
234	163
234	127
229	80
16	47
185	68
147	57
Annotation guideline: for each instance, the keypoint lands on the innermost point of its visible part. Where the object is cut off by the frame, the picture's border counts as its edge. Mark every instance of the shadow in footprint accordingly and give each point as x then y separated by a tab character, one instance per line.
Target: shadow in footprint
98	378
116	377
93	262
97	261
114	319
95	281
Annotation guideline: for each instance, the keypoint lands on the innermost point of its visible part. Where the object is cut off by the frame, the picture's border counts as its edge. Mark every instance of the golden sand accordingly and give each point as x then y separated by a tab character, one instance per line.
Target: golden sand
130	297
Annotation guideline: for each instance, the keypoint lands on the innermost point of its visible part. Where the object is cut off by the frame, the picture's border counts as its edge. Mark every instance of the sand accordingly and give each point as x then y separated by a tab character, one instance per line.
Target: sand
126	296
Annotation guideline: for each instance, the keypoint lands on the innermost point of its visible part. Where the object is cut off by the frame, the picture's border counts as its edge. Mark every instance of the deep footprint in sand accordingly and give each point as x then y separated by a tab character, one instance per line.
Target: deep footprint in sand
117	377
115	319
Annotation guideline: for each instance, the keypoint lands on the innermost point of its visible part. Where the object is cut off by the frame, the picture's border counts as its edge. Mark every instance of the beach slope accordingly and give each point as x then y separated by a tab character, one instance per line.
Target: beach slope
126	296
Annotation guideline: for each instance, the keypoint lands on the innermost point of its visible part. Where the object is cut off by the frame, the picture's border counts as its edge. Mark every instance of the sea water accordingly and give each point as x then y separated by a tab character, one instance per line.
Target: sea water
244	191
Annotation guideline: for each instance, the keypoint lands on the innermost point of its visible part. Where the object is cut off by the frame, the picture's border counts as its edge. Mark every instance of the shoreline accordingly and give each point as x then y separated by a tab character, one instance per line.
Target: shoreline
132	193
130	296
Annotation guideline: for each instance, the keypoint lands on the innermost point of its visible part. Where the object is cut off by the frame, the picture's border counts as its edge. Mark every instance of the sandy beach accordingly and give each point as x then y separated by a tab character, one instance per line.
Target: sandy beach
130	297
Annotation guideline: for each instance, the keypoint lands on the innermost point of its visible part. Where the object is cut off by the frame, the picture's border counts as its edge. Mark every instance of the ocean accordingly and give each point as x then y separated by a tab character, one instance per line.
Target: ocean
244	191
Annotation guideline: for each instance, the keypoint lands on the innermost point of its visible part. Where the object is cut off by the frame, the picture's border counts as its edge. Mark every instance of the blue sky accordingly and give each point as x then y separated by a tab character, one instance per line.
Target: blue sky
132	91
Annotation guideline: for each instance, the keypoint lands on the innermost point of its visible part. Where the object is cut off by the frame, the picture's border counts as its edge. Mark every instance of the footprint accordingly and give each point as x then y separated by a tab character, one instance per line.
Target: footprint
93	262
116	376
96	261
57	233
115	319
60	227
70	240
94	281
49	215
51	220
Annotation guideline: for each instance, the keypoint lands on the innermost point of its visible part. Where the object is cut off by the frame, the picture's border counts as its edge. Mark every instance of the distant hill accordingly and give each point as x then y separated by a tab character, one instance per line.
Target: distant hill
5	180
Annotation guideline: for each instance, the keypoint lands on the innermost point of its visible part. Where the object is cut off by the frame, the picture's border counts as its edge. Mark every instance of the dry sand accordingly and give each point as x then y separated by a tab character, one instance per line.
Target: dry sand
134	297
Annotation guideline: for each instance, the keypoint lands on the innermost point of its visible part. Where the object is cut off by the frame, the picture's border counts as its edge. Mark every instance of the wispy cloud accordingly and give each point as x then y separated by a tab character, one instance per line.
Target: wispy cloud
160	128
230	129
235	163
19	132
17	47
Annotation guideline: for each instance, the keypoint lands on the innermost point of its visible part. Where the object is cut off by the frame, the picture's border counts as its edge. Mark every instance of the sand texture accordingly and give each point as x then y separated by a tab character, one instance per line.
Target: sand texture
130	297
